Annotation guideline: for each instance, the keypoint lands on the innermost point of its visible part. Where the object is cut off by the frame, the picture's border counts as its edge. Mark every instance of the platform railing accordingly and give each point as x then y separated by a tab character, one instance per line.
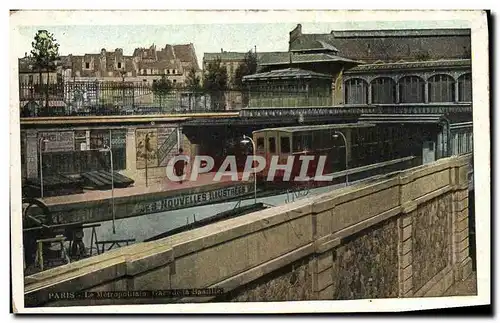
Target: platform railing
104	98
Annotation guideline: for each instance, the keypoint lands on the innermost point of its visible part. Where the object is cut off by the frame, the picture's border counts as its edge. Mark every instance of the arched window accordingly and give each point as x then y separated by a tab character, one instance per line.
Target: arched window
356	91
411	90
465	88
383	90
441	88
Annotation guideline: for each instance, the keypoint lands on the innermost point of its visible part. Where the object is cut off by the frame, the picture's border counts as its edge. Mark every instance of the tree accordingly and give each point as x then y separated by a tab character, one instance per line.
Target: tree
247	67
45	54
193	81
162	87
193	84
215	82
215	77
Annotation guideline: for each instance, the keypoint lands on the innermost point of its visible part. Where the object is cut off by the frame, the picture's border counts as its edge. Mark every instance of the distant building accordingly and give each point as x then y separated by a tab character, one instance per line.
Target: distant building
34	97
232	60
229	60
396	66
28	74
144	65
383	66
371	46
108	78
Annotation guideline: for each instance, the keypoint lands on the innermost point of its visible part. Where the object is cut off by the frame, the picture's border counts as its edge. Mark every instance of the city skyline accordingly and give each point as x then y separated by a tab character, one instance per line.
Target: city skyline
206	38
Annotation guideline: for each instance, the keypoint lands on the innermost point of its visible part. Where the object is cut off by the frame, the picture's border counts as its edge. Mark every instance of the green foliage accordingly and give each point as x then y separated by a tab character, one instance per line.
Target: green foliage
193	81
44	55
248	67
45	52
162	87
215	77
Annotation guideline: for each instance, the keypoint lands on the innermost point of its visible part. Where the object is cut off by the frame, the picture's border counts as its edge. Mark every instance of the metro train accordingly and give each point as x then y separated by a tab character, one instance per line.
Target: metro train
367	144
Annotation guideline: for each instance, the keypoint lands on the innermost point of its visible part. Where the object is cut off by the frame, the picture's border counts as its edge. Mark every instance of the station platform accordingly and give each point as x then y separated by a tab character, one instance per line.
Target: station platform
154	186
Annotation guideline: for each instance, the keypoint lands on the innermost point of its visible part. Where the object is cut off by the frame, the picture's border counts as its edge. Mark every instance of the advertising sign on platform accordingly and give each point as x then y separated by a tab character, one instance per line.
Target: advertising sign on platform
58	141
190	200
146	147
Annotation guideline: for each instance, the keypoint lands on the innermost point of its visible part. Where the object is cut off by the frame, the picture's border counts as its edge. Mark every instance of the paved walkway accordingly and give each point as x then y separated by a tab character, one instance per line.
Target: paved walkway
153	187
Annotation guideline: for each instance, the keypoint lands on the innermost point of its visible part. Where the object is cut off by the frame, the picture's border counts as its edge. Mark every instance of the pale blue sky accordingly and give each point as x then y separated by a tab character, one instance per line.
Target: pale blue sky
80	39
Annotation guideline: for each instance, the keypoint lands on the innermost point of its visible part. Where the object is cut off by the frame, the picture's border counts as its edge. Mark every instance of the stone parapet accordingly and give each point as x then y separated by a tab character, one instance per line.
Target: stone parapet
402	235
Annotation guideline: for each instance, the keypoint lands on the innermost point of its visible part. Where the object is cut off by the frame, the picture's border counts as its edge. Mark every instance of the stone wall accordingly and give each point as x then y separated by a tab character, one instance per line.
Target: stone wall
290	283
430	239
365	265
403	235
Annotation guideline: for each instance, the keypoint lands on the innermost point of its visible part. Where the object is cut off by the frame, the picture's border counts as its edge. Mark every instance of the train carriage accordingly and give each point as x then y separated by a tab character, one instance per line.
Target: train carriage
367	144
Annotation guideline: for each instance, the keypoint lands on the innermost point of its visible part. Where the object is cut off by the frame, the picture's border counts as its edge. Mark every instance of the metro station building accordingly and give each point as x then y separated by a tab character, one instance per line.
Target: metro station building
418	79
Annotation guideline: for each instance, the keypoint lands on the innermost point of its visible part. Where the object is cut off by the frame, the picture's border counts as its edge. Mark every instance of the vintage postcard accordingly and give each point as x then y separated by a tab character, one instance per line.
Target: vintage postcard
267	162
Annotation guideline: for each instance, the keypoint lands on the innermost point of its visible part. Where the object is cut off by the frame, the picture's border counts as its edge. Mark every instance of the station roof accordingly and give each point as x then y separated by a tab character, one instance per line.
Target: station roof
318	45
390	45
319	127
283	58
441	63
287	73
400	33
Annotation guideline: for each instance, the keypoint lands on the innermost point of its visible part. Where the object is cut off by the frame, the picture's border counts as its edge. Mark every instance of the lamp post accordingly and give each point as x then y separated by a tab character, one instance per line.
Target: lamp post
246	140
40	142
146	150
336	135
108	149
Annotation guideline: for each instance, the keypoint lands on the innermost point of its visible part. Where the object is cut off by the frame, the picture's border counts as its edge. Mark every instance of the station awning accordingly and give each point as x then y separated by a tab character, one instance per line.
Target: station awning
241	121
54	184
103	179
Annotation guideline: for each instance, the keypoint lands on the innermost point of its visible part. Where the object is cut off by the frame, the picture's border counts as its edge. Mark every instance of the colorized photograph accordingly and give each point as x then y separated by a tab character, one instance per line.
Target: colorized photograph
264	161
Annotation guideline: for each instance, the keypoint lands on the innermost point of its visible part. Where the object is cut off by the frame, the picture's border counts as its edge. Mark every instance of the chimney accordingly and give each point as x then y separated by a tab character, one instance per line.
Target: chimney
221	50
25	54
294	34
297	31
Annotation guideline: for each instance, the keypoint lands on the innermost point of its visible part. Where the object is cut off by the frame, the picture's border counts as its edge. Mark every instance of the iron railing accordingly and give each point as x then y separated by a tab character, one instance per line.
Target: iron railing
140	98
121	98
